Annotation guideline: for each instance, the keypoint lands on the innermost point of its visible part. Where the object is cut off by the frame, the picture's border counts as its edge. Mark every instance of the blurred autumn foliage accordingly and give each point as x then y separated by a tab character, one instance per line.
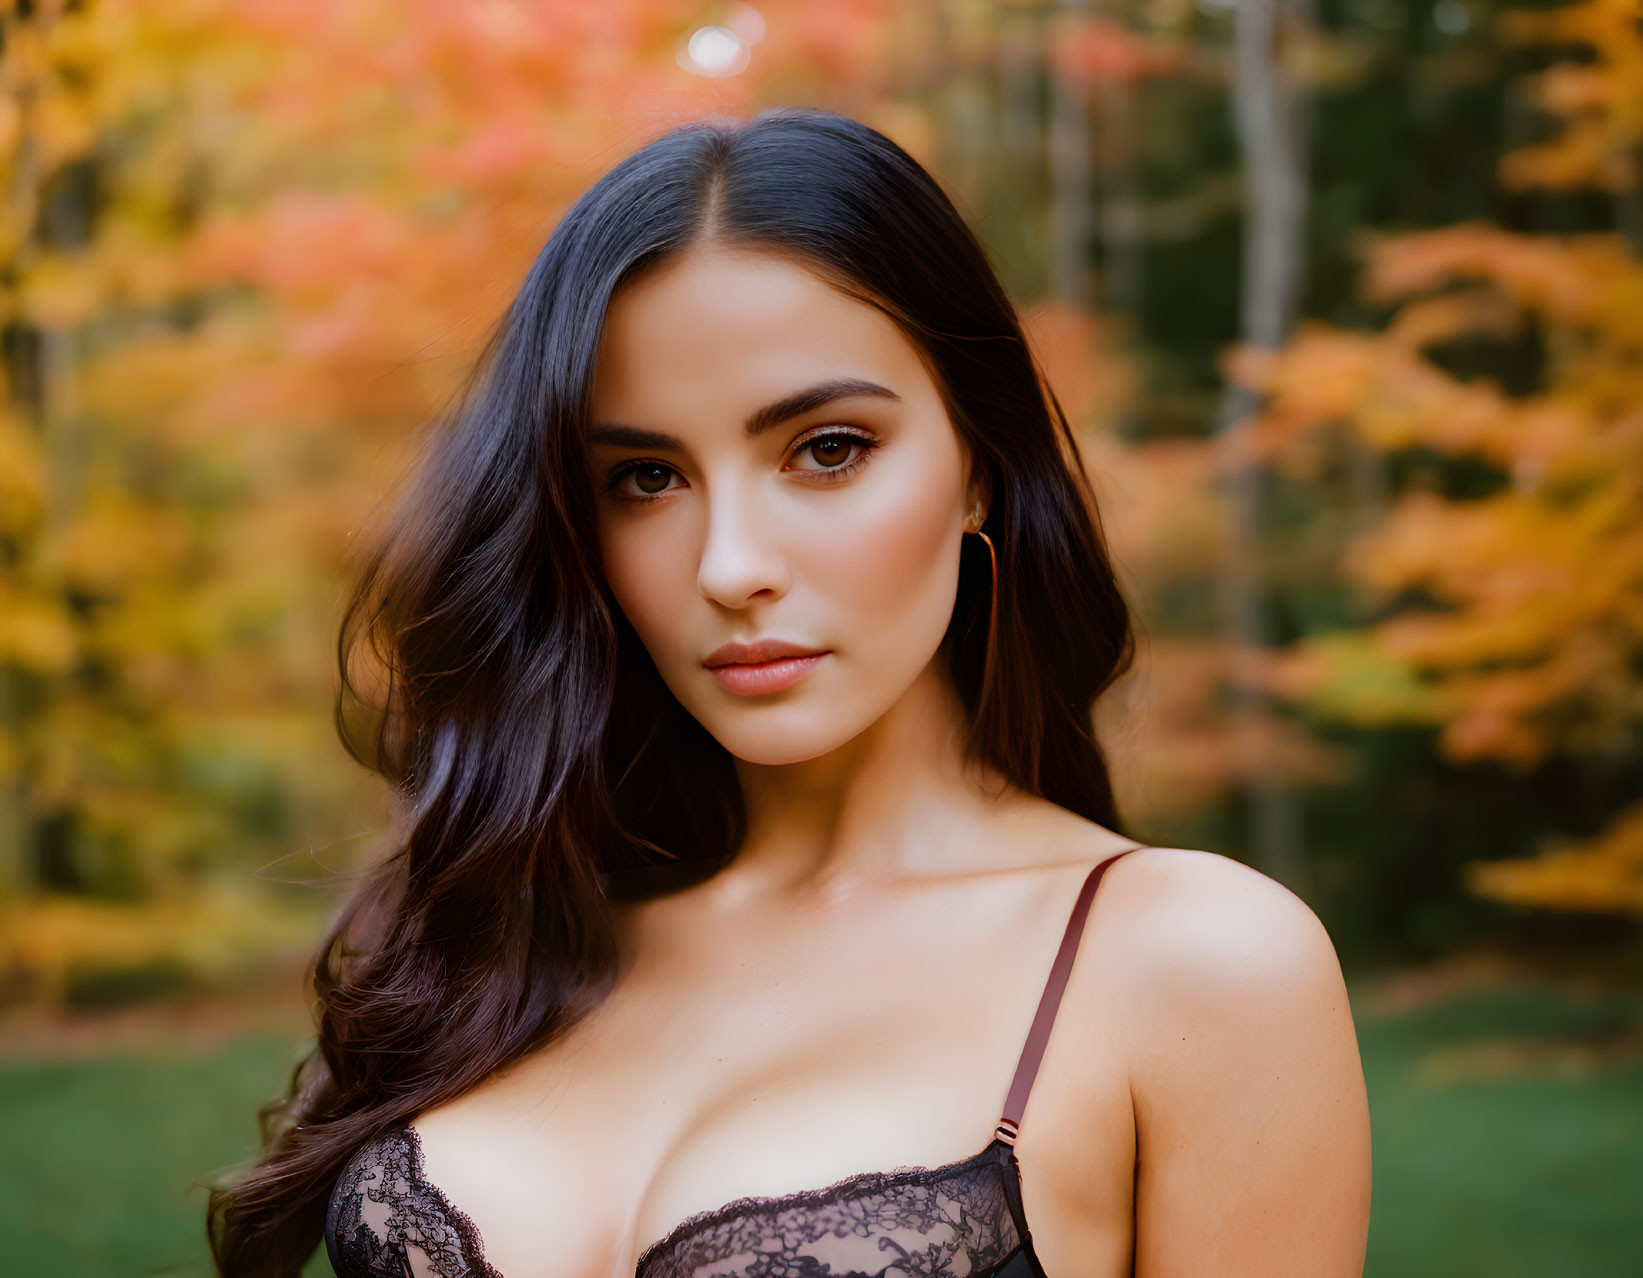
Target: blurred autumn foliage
250	249
1507	613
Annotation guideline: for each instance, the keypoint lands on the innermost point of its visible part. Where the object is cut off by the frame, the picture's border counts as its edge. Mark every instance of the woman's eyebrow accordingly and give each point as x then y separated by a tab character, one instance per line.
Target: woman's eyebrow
760	420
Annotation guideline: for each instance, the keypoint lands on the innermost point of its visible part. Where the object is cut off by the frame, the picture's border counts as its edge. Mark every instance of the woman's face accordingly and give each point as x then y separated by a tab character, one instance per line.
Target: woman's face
774	463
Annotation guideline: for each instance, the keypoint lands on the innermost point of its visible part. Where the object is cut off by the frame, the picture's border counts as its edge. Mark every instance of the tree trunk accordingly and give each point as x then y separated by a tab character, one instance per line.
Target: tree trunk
1070	211
1270	126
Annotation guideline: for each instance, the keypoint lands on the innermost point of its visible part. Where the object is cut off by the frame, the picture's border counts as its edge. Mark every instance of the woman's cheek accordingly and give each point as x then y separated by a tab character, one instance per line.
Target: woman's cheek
644	577
889	559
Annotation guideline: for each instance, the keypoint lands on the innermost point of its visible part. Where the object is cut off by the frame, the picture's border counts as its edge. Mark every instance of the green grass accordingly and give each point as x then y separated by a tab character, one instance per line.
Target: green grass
1534	1171
100	1155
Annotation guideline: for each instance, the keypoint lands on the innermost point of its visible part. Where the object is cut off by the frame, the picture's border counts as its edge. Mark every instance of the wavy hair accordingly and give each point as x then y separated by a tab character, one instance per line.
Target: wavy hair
532	748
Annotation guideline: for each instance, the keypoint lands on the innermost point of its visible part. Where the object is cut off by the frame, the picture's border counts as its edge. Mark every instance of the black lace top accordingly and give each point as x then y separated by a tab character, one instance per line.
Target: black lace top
958	1220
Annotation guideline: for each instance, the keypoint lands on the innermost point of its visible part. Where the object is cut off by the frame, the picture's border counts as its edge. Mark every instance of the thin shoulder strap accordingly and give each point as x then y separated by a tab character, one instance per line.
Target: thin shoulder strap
1038	1036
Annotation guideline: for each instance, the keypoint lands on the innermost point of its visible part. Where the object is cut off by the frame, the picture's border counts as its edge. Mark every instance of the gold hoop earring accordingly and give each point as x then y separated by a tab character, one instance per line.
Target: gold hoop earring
992	595
978	517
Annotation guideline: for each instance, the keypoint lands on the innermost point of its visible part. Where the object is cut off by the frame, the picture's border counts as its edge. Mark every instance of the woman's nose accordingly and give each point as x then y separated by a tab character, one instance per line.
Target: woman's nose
741	560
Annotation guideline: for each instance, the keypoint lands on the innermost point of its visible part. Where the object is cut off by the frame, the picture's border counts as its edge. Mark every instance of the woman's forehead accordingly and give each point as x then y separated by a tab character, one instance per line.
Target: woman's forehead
726	332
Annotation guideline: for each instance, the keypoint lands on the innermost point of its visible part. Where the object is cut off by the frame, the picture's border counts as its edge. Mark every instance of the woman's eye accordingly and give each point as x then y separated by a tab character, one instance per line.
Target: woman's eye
831	452
647	479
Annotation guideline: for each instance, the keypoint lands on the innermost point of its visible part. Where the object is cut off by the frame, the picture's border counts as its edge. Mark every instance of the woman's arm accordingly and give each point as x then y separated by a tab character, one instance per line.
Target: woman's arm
1252	1122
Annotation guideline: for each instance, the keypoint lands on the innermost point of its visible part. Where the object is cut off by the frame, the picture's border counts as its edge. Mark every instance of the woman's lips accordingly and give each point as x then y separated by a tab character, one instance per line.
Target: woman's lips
754	678
762	665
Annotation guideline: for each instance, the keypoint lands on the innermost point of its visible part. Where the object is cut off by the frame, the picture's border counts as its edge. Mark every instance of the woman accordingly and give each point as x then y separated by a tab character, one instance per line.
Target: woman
741	634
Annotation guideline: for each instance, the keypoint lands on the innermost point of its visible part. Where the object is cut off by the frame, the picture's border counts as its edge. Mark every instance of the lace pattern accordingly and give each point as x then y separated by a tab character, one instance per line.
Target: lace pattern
386	1221
952	1221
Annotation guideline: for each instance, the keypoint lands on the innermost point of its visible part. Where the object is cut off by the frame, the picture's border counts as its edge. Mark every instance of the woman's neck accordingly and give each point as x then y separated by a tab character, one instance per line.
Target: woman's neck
893	802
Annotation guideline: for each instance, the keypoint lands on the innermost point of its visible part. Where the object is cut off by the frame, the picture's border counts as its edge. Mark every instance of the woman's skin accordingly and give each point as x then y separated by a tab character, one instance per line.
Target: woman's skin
851	993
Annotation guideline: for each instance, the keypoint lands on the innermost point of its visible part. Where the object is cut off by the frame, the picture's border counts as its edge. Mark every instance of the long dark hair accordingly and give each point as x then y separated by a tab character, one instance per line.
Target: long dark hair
535	753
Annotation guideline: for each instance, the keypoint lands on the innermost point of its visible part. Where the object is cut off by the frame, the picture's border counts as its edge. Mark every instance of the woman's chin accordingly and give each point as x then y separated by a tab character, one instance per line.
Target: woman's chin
772	736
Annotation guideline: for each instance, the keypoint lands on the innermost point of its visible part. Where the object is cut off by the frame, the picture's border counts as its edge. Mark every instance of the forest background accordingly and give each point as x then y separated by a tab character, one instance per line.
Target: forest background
1345	298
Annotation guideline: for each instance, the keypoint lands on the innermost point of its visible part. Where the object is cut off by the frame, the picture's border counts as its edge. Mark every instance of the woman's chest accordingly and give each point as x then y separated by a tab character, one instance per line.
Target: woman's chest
663	1104
769	1071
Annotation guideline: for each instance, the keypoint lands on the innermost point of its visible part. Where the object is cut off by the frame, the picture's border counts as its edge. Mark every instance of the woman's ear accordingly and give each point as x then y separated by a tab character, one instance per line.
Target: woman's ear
979	500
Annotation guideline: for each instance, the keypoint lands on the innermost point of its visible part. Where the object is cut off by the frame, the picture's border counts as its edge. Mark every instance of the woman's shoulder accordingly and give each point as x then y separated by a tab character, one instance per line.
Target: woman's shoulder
1203	920
1235	1043
1219	968
1174	920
